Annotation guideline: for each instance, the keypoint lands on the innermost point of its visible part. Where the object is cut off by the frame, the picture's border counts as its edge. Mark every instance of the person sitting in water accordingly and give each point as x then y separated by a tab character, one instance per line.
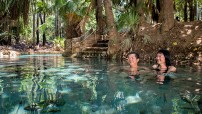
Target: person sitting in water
163	67
133	59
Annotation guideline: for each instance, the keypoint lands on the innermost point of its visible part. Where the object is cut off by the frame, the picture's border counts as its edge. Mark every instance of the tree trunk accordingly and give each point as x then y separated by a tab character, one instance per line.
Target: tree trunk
37	31
133	3
112	30
72	21
166	15
82	24
56	23
60	29
158	10
185	11
34	28
192	11
44	32
34	22
70	33
196	9
18	33
99	17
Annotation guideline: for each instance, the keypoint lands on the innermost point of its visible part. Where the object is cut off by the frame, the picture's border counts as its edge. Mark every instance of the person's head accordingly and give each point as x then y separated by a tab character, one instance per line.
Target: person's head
163	57
133	57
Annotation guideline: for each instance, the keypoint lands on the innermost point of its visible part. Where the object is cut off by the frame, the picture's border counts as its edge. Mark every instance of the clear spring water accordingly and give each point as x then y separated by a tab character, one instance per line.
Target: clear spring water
54	84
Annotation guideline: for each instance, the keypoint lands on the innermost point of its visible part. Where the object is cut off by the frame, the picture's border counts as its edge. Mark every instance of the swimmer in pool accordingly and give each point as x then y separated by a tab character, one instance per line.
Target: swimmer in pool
133	59
163	67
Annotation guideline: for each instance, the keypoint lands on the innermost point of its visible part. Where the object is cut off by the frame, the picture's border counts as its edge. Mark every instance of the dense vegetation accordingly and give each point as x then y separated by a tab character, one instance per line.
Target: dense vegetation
34	23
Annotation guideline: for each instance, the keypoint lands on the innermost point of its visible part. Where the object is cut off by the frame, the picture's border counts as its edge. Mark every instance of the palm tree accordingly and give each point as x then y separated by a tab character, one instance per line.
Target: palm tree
73	13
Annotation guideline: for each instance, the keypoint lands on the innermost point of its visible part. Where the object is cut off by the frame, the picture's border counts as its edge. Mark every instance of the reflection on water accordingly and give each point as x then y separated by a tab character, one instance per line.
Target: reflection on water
52	83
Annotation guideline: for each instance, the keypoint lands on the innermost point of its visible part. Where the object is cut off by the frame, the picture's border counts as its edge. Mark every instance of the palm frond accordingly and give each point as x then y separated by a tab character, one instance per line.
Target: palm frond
126	44
128	20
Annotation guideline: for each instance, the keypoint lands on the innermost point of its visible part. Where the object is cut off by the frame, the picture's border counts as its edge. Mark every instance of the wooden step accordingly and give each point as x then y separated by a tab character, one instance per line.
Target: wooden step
90	54
96	48
96	52
100	45
102	41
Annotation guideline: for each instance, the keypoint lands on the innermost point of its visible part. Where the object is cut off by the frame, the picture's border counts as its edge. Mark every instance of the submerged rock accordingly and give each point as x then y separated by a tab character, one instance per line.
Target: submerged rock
46	106
33	107
133	99
58	102
51	108
192	99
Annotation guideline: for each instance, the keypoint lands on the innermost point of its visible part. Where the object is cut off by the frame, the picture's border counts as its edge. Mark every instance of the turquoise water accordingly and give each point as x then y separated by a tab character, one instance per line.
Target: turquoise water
34	84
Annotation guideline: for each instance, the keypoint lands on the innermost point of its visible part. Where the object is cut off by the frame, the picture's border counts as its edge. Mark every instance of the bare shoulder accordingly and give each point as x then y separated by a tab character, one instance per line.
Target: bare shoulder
172	69
155	66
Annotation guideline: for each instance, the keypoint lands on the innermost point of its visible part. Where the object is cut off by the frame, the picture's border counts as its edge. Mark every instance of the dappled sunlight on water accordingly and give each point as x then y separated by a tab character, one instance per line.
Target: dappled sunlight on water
52	83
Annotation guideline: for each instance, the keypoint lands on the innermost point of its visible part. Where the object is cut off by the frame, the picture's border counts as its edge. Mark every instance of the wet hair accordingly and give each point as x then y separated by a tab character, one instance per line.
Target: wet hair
136	54
166	54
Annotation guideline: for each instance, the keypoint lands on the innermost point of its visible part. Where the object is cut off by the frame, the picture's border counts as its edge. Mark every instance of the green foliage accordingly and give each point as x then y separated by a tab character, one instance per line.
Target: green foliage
48	25
26	32
127	14
179	7
74	6
4	34
68	7
128	20
42	6
59	42
5	5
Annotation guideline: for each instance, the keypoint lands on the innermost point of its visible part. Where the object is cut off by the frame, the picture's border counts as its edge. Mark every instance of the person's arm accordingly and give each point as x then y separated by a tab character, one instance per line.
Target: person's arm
172	69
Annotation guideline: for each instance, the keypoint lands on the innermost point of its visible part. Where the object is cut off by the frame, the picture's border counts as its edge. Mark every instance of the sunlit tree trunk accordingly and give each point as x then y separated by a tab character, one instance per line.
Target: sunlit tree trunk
34	28
34	22
56	23
81	27
112	30
43	20
166	15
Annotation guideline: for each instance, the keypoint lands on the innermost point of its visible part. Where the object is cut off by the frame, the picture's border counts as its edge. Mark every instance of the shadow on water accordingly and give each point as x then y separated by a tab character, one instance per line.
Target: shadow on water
52	83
